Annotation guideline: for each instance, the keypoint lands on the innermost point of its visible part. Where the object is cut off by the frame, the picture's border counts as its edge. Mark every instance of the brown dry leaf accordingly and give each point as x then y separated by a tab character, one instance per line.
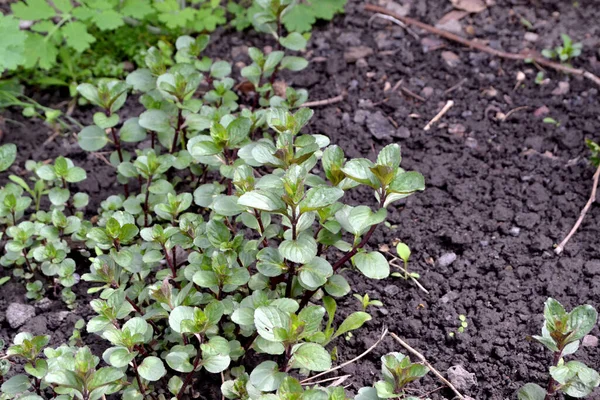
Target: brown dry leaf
472	6
452	15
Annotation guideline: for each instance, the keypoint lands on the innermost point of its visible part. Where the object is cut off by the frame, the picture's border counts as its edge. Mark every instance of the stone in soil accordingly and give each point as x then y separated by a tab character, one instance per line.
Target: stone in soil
461	378
353	54
380	126
446	260
17	314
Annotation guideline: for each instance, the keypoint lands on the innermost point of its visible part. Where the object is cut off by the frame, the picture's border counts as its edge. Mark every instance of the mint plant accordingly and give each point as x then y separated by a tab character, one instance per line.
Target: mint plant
561	334
398	371
37	249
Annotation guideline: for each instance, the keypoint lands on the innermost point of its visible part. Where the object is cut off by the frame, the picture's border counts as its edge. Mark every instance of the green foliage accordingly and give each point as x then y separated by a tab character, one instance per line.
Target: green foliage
37	248
398	372
566	52
561	334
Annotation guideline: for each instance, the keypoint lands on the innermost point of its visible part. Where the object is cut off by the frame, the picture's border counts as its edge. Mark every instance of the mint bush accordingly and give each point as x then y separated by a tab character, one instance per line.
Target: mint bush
561	334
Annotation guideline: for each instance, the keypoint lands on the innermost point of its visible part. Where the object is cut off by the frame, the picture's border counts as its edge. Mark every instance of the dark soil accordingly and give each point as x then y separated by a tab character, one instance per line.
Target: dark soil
499	194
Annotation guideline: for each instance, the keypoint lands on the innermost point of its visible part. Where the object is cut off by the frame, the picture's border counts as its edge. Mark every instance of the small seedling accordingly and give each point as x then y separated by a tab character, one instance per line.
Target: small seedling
398	371
561	334
365	301
551	121
403	252
566	52
463	323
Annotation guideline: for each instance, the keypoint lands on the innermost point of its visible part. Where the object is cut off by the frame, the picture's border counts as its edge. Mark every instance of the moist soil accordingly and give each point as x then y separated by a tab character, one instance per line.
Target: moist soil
500	193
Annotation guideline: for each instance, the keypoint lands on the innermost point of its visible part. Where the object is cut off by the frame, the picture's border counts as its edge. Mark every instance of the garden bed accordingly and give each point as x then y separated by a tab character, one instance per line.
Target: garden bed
499	194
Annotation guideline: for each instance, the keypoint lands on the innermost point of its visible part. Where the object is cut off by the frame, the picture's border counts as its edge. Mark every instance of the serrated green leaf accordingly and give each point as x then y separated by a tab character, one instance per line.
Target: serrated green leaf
77	36
311	356
32	10
12	43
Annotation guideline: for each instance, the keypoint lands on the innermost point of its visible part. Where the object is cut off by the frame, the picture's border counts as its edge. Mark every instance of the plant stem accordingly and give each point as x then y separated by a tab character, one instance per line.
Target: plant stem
117	142
188	378
139	380
261	227
27	261
550	389
176	137
347	256
146	200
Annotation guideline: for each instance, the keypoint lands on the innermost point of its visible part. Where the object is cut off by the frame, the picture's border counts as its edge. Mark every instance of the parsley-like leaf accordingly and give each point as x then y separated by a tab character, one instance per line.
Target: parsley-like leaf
172	16
33	10
77	36
299	19
12	43
108	20
139	9
45	52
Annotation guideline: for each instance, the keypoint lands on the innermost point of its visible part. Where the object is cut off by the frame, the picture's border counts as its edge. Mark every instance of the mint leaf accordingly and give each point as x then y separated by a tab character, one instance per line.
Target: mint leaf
77	36
33	10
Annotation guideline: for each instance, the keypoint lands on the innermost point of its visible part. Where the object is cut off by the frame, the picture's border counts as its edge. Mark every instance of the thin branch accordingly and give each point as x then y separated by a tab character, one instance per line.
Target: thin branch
439	115
424	361
325	102
307	380
527	55
559	249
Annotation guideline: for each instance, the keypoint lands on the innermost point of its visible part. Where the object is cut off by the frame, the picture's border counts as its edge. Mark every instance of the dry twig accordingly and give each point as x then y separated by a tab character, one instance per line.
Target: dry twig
559	249
527	55
439	115
307	380
325	102
424	361
396	21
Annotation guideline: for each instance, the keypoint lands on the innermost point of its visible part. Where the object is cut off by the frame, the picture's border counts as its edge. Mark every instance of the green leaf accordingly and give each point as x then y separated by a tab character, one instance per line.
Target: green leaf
352	322
152	369
359	170
103	121
294	41
8	154
373	265
138	9
77	36
108	20
132	132
294	63
268	318
581	321
407	182
266	376
155	120
311	356
337	286
220	69
75	174
300	18
319	197
403	251
45	52
32	10
178	315
262	200
92	138
12	43
15	385
314	274
302	250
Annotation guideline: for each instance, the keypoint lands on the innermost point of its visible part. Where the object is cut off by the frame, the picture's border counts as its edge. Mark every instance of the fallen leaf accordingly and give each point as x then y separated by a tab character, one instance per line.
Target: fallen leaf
452	15
471	6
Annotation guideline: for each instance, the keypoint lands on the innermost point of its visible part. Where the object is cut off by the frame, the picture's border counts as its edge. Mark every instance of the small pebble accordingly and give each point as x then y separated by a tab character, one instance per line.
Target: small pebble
17	314
514	231
446	259
589	341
